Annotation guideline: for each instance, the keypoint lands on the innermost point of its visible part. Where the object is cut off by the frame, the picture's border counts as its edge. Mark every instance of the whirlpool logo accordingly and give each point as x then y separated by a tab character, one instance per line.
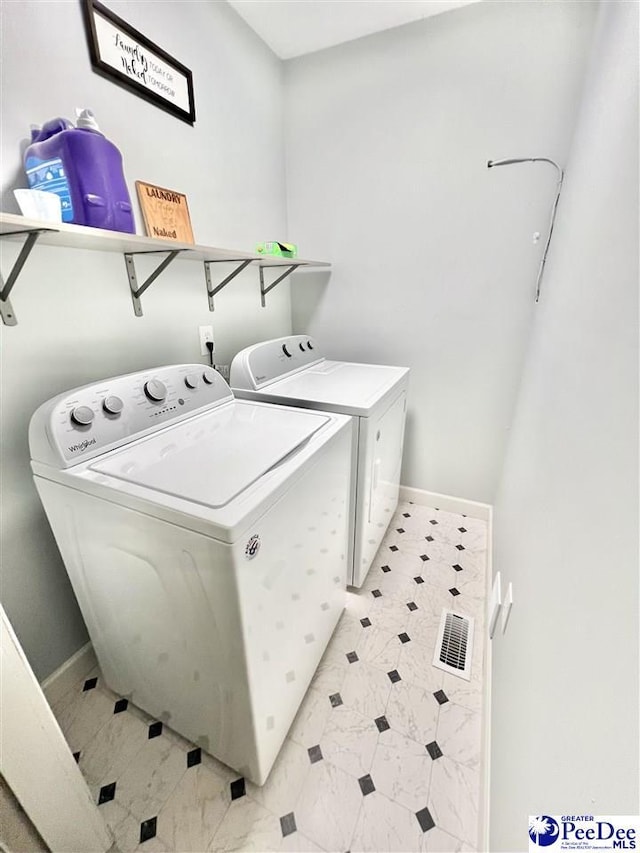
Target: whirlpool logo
252	547
543	830
78	448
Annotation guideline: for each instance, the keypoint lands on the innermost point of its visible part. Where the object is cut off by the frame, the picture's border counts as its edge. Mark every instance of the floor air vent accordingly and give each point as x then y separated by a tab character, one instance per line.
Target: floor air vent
454	645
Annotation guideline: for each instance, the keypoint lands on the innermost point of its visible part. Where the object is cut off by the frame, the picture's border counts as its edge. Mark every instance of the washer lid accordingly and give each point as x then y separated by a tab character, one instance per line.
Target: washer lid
340	386
213	458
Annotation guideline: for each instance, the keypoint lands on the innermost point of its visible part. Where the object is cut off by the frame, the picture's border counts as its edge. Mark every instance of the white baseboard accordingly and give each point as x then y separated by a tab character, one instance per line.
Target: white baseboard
473	509
72	670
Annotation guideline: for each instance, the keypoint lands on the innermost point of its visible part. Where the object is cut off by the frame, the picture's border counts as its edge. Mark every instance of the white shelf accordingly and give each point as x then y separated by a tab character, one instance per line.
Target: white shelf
19	228
99	240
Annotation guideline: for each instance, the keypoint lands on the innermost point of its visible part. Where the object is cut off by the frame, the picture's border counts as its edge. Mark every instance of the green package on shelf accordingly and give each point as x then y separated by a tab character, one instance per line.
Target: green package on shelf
283	250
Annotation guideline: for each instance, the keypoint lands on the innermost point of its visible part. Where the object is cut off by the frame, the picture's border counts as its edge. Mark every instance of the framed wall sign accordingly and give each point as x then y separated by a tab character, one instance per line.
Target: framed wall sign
124	55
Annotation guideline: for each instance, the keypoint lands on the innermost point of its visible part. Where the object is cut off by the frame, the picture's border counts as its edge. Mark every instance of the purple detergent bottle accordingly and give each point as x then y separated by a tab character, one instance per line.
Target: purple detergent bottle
84	168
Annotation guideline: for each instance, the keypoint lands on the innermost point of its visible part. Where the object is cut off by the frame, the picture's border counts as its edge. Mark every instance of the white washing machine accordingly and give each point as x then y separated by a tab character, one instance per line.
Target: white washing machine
206	541
292	371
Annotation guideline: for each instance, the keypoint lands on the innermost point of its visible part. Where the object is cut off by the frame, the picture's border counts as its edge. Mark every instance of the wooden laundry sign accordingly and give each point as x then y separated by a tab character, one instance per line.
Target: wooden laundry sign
165	213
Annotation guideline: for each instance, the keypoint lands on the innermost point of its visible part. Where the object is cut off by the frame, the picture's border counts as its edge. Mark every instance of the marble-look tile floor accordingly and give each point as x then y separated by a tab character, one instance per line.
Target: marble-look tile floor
384	754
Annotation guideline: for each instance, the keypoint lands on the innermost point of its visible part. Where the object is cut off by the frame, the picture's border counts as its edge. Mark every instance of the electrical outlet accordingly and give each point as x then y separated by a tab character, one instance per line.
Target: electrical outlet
206	334
223	370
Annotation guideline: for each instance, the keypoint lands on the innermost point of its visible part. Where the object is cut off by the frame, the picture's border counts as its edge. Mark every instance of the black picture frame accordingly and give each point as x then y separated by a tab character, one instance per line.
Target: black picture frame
90	9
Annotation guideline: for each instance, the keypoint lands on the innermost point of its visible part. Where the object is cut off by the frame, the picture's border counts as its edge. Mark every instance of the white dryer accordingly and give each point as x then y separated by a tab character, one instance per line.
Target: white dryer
292	371
206	542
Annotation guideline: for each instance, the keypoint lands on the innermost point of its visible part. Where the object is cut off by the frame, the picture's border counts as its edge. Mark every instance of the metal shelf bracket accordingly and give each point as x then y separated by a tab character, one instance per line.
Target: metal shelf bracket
6	309
211	291
264	290
136	292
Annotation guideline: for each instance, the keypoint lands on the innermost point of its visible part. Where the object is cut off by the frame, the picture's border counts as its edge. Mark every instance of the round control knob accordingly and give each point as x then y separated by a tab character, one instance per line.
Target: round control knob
209	375
82	415
155	390
309	345
286	351
191	380
301	345
112	405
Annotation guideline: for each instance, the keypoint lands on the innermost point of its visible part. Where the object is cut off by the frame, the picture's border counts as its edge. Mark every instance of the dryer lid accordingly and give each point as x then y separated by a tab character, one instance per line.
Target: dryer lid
341	386
211	459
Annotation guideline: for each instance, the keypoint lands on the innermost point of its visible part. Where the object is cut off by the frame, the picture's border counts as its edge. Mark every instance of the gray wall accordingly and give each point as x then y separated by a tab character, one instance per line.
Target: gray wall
434	264
565	686
76	322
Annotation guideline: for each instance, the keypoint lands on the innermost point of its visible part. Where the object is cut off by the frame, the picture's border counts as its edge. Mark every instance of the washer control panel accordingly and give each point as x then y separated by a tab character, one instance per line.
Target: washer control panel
90	420
260	364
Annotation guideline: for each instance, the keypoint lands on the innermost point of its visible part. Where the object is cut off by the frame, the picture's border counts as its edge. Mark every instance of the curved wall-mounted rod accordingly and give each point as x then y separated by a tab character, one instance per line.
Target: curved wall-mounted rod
514	160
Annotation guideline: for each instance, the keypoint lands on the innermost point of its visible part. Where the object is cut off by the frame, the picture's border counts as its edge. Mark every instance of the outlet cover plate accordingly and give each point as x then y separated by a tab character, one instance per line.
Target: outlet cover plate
206	334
